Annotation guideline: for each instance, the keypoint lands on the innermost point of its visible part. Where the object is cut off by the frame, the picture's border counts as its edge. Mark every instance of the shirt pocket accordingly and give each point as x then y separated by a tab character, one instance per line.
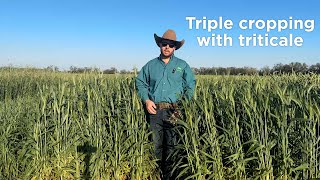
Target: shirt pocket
177	76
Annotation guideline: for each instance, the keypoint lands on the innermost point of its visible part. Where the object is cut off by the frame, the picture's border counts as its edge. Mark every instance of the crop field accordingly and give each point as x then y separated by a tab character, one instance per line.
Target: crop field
56	125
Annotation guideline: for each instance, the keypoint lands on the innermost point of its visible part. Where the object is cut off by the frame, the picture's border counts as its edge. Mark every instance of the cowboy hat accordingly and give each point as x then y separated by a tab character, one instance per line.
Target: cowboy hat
171	36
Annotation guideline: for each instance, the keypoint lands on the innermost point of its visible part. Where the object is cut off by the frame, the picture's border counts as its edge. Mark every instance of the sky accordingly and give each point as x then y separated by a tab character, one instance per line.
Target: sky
105	34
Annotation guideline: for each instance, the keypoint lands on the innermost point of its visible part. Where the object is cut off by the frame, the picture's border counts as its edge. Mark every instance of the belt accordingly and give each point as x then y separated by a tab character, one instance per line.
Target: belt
165	105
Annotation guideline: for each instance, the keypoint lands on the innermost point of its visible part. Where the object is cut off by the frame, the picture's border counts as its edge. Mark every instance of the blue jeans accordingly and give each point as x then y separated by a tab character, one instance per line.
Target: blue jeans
164	139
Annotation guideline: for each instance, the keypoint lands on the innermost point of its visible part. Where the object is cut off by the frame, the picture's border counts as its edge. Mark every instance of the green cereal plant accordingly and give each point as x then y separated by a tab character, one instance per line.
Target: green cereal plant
57	125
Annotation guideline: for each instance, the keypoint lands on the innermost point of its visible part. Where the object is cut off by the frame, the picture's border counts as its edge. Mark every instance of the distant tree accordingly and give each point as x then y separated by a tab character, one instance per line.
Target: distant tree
52	68
290	68
265	71
123	71
314	68
112	70
73	69
299	67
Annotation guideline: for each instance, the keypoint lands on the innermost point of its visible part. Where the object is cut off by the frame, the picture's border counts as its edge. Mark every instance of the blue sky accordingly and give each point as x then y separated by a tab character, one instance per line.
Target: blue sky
119	33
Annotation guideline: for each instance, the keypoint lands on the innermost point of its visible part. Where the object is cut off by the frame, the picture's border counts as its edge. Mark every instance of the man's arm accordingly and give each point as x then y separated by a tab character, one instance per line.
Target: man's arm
142	84
189	82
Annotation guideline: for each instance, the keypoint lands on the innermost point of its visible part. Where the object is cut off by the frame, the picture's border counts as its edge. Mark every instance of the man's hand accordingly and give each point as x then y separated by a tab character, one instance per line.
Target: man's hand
151	107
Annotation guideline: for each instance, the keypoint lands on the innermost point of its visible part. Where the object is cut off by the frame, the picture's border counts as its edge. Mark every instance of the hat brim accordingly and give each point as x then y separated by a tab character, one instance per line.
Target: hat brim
158	40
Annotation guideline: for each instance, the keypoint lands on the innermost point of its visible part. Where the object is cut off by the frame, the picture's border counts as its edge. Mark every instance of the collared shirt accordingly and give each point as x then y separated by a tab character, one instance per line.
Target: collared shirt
162	82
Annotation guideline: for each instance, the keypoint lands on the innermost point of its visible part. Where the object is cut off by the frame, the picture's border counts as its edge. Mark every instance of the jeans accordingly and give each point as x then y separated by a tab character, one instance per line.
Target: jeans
164	139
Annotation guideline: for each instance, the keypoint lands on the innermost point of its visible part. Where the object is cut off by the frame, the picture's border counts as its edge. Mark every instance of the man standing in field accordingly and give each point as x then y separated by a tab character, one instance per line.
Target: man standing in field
161	83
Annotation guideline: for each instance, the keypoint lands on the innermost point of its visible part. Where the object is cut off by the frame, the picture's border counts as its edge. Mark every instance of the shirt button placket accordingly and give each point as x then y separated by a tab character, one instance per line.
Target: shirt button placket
164	79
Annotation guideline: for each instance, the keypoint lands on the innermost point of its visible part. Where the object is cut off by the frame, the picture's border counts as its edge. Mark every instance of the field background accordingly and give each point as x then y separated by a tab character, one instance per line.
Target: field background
92	126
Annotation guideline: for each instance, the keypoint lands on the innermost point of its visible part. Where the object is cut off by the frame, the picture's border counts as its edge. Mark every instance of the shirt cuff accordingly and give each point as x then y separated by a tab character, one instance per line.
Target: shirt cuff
144	98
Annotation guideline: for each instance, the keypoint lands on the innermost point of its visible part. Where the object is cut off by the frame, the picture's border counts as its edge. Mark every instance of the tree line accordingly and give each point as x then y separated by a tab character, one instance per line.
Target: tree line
279	68
293	67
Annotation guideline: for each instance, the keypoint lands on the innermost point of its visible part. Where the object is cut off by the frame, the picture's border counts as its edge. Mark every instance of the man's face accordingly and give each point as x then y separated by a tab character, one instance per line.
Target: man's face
167	48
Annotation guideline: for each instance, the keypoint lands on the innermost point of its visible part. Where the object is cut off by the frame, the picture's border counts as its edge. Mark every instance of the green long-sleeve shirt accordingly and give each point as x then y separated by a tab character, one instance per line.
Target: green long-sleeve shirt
162	82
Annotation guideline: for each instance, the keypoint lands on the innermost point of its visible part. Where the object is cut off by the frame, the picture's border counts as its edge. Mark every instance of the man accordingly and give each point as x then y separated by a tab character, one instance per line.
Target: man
161	83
